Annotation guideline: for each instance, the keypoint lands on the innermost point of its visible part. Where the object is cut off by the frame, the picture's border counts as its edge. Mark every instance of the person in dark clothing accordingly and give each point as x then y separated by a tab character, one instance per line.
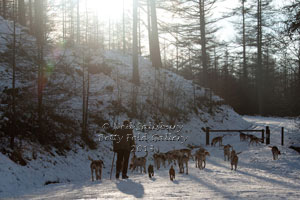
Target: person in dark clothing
123	148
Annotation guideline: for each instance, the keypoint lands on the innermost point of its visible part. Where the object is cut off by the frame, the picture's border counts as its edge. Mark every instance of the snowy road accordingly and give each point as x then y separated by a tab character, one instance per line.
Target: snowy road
215	182
257	177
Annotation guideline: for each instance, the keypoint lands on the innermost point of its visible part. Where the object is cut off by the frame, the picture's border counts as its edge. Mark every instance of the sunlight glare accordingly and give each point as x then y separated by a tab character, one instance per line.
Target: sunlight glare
108	9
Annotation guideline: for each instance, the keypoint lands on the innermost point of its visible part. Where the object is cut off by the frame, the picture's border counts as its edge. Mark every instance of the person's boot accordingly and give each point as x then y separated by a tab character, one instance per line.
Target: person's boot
124	176
117	175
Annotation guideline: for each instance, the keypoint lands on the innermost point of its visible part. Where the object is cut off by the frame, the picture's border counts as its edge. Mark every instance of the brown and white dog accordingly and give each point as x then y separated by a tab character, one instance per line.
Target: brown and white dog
183	160
200	150
216	140
96	166
234	159
227	152
233	153
255	140
200	158
172	173
187	152
234	162
159	158
275	152
172	156
139	162
182	157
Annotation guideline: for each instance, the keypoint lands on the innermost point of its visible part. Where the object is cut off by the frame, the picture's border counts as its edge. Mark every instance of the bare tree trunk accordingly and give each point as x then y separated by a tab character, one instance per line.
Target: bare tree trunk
119	89
78	24
21	12
285	73
87	102
39	26
83	98
139	27
13	133
30	16
297	87
64	19
226	74
86	23
135	60
97	30
259	83
109	32
124	44
203	42
164	90
4	8
215	68
177	56
72	23
150	31
299	65
155	40
245	73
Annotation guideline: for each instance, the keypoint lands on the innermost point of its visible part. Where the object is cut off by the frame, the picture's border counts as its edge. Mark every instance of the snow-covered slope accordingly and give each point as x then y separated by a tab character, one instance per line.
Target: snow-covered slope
162	96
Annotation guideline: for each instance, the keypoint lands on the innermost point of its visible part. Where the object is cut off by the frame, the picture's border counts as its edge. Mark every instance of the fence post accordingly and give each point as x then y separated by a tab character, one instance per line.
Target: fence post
262	136
207	135
282	136
267	135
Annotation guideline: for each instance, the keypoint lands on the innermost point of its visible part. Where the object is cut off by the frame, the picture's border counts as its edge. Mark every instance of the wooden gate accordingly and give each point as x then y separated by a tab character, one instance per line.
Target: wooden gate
207	130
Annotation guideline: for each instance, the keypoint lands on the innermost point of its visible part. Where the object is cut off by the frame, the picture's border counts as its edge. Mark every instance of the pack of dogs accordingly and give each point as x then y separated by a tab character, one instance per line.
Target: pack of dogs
181	158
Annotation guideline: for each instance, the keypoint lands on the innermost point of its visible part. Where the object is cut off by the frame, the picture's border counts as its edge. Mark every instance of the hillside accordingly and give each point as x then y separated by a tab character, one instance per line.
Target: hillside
163	96
52	162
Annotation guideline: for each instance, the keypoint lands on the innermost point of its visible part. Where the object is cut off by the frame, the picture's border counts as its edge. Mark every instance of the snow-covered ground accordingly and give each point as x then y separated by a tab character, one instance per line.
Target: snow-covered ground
257	177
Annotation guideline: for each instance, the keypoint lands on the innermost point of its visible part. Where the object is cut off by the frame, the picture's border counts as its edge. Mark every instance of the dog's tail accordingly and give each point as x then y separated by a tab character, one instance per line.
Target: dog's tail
270	147
90	158
238	153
